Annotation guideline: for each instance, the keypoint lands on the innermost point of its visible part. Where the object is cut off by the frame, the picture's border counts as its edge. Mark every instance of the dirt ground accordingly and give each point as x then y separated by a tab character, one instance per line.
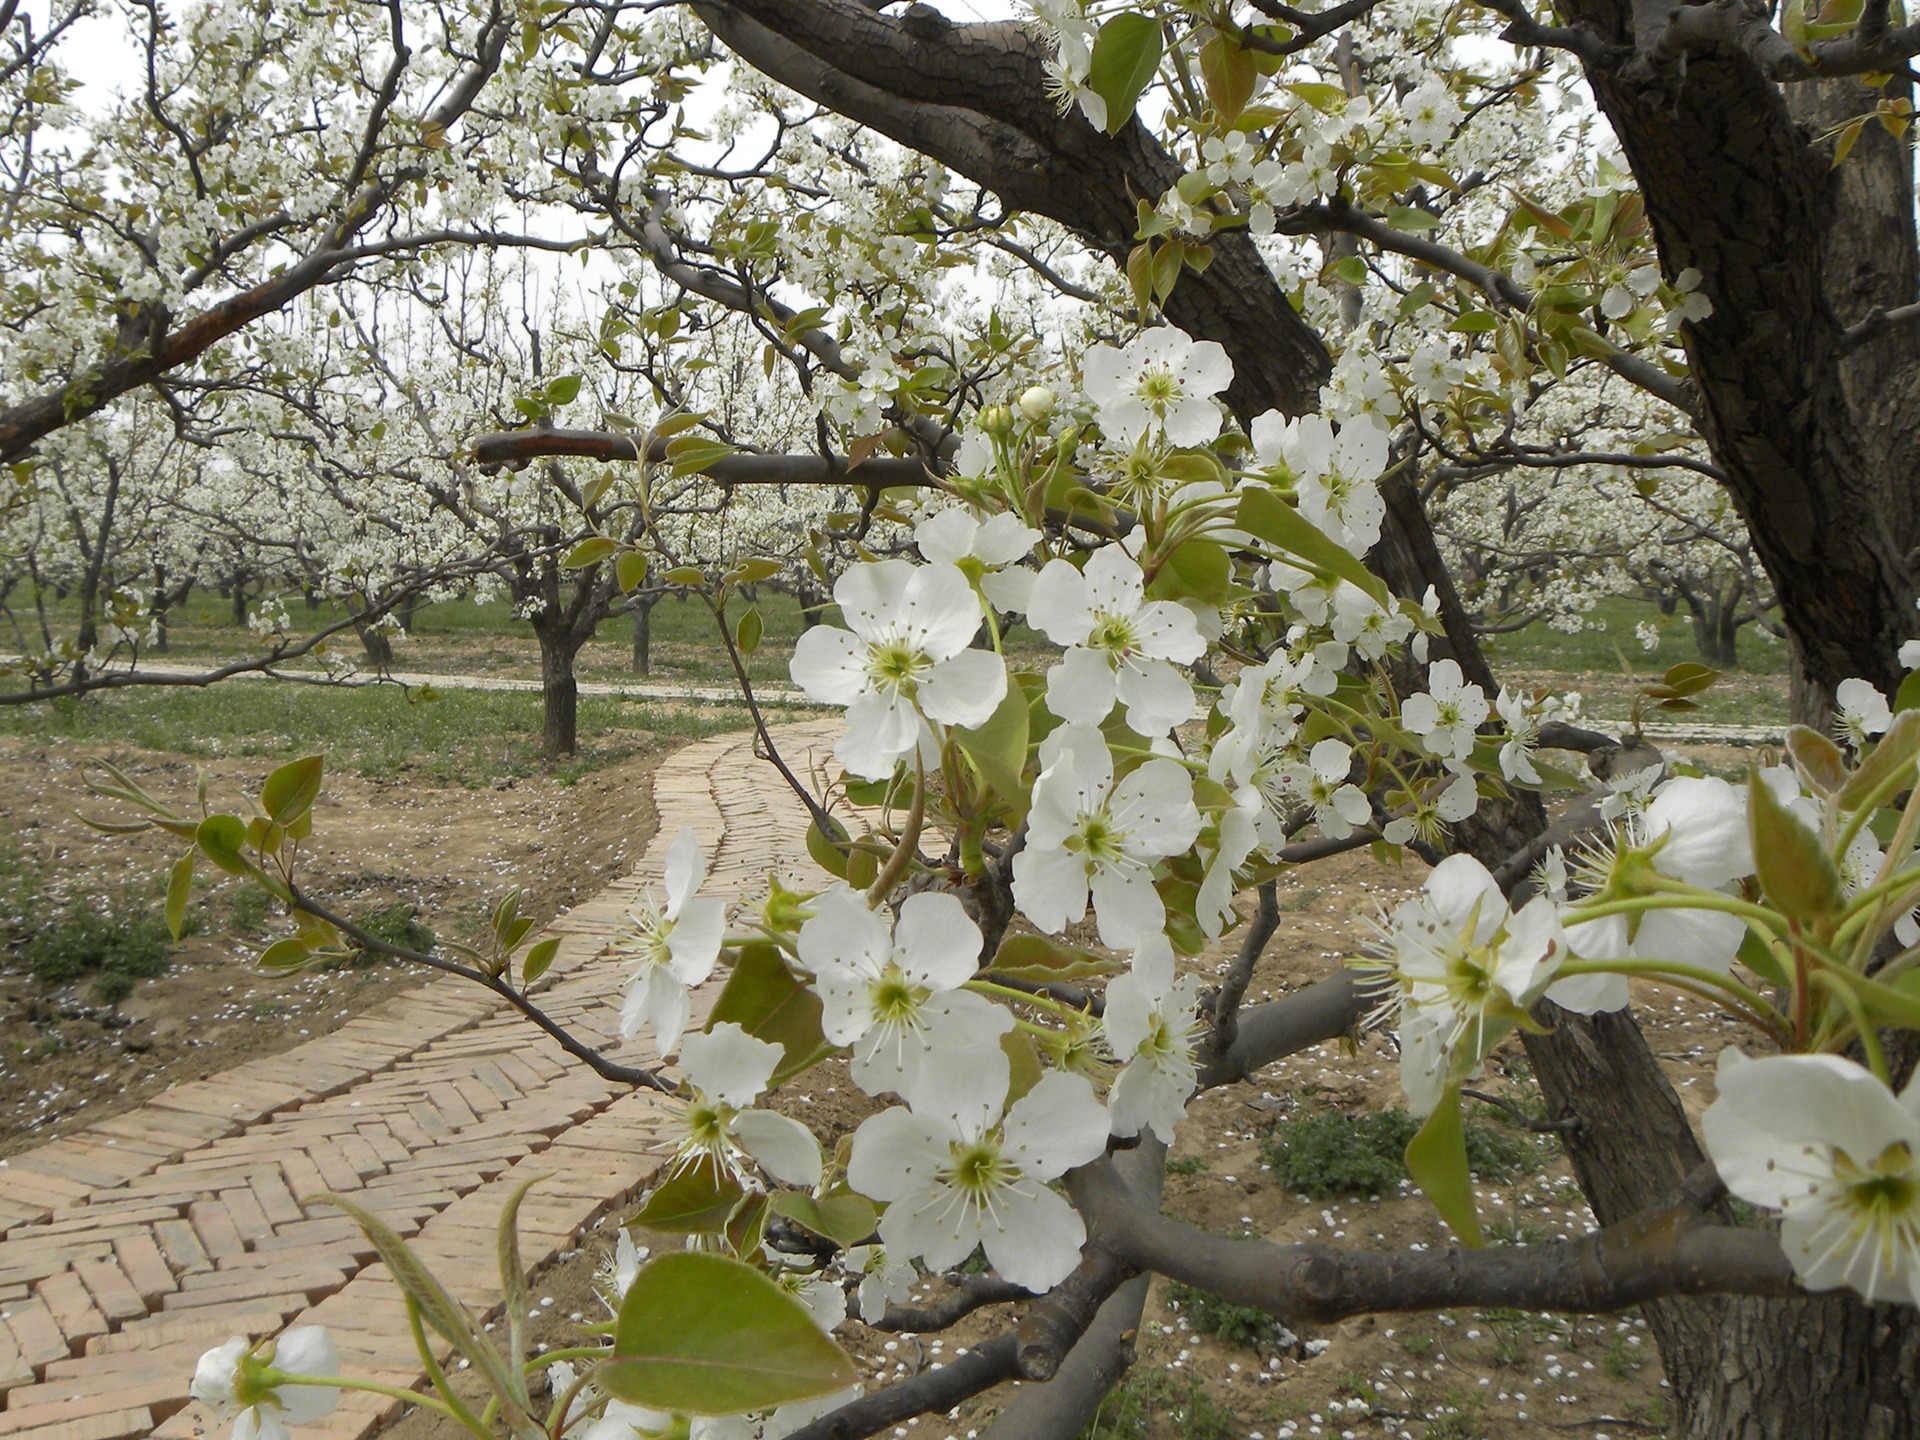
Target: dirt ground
1453	1376
447	852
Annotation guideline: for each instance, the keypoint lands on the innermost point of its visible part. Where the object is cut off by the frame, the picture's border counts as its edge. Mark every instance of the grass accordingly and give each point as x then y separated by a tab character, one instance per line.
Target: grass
1153	1403
112	941
468	737
1540	647
1323	1153
1222	1319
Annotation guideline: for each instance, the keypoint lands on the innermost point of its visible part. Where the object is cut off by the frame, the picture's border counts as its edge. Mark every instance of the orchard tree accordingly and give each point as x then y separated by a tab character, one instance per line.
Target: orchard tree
1367	237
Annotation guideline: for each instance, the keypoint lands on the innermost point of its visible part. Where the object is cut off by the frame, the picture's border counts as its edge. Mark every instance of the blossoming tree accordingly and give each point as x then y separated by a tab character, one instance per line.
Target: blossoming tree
1343	250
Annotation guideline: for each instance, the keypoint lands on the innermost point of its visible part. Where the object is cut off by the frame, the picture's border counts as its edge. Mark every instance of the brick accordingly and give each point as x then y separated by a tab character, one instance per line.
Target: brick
216	1230
299	1286
249	1220
359	1154
146	1268
77	1397
112	1292
110	1425
180	1243
35	1332
335	1169
275	1200
72	1308
207	1325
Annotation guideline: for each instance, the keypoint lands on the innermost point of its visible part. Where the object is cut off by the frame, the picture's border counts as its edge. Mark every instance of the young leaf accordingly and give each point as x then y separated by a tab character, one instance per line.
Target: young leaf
705	1335
1126	53
998	749
590	551
1437	1160
630	570
220	838
1266	515
1793	867
846	1219
291	790
1042	960
695	1201
513	1282
764	999
538	959
747	633
179	887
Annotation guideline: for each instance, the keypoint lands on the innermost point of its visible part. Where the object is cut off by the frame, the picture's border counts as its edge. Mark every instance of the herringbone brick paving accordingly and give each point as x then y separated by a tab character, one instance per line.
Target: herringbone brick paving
130	1247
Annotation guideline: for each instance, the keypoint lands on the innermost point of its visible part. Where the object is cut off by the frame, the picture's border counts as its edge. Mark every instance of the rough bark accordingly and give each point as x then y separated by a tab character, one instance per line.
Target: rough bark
642	663
559	690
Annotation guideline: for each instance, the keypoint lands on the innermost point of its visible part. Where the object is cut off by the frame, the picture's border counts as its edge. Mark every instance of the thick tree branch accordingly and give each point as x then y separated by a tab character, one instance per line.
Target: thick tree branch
519	447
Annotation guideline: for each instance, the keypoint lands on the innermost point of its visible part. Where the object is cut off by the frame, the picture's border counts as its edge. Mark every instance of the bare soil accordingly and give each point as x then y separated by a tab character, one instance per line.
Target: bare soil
446	852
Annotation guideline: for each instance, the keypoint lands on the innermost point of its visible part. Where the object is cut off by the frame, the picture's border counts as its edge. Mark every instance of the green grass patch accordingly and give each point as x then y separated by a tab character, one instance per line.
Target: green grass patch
1323	1153
1222	1319
468	737
116	945
1152	1404
1540	647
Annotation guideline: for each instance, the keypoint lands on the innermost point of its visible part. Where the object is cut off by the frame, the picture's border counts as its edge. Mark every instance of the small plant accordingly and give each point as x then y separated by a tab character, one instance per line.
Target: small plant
1210	1315
1460	1417
1622	1359
398	925
1419	1344
249	910
1323	1153
125	943
1129	1412
1300	900
1189	1165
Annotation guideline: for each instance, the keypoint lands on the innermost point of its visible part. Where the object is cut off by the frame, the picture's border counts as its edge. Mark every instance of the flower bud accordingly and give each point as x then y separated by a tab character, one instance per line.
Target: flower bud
1037	402
997	420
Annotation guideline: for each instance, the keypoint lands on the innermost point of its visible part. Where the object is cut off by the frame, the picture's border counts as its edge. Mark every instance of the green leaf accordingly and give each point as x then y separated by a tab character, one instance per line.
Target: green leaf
563	390
1793	867
685	575
705	1335
291	790
1230	75
1266	515
1893	755
695	1200
1042	959
846	1219
220	838
690	454
765	999
752	571
1411	217
1817	758
538	960
590	551
1198	569
288	954
998	748
826	852
438	1308
179	887
1437	1160
1126	53
513	1283
1758	957
630	570
747	633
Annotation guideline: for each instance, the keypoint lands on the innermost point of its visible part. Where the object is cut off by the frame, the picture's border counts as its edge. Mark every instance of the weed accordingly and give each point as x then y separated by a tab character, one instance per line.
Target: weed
1514	1229
126	942
1417	1343
1189	1165
1460	1417
1323	1153
249	910
1210	1315
397	925
1622	1359
1301	900
1129	1412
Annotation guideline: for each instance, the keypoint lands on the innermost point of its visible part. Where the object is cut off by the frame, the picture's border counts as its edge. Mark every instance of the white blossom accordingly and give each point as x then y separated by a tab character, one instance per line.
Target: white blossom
1149	1023
1120	645
675	946
1162	382
233	1380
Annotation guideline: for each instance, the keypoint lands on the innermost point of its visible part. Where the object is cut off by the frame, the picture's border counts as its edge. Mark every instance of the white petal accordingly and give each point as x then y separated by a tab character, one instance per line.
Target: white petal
1128	908
937	940
728	1064
1039	1243
966	689
881	729
830	665
656	1001
694	941
939	607
1058	605
1055	1126
1081	688
895	1153
785	1148
872	596
1050	887
1156	695
1770	1111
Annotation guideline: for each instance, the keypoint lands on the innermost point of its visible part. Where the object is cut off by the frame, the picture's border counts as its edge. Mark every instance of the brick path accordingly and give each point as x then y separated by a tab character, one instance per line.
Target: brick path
128	1248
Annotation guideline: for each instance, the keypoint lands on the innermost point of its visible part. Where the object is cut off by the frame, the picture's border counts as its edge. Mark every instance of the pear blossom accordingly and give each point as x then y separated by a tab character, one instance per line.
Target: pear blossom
884	1280
1163	381
1335	474
1461	966
726	1071
1362	622
1338	806
896	999
1119	644
1088	835
1149	1022
982	549
246	1384
1825	1142
1523	733
1446	716
1863	712
905	656
676	946
957	1173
